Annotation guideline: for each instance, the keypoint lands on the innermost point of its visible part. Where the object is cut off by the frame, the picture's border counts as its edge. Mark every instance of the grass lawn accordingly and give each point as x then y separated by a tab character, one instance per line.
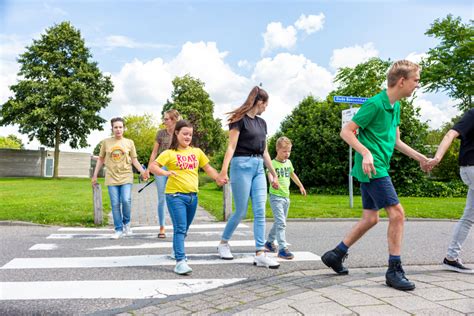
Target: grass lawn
66	201
337	206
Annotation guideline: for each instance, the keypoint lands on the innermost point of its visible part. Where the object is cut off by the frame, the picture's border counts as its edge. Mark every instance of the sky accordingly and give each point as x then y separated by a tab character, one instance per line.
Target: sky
294	48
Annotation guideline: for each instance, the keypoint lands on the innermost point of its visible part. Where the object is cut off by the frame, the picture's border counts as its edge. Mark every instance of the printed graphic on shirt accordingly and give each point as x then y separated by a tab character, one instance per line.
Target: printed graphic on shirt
283	172
189	162
117	153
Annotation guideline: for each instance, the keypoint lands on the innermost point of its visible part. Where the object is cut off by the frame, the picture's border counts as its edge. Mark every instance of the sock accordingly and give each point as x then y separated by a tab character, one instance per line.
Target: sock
342	247
394	258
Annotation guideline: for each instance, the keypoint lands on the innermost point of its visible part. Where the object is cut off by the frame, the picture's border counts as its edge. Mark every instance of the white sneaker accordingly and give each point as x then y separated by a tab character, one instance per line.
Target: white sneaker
224	251
118	234
127	230
182	268
262	260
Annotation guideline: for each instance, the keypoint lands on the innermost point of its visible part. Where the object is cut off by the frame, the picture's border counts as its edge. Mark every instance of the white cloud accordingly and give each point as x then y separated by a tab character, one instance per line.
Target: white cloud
353	55
244	64
276	36
288	79
310	23
118	41
435	113
416	58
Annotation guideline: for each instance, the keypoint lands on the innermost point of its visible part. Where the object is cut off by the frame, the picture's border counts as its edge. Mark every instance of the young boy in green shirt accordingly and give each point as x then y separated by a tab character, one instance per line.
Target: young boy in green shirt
378	122
280	198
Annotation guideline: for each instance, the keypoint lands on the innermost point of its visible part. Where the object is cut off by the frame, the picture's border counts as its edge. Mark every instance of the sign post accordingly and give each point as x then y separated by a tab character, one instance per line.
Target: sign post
346	117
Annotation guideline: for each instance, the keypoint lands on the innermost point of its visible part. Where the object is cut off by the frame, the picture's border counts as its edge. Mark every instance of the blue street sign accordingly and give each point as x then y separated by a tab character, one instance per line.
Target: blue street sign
345	99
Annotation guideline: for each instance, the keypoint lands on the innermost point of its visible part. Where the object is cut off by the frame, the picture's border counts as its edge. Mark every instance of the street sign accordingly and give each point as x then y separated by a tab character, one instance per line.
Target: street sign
347	115
346	99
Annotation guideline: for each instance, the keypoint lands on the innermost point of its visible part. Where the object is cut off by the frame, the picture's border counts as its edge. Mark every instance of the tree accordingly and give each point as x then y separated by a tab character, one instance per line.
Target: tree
313	127
142	130
449	66
11	141
195	105
60	93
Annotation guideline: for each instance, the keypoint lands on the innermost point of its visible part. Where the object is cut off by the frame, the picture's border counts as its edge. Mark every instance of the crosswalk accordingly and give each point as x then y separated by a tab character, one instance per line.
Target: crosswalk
82	254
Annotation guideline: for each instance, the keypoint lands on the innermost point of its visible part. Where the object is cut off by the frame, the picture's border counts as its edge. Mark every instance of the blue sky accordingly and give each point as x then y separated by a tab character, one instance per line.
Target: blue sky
293	47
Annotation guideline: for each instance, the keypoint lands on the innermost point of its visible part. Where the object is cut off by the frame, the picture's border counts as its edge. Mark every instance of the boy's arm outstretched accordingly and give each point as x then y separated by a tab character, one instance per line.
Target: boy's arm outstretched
296	180
410	152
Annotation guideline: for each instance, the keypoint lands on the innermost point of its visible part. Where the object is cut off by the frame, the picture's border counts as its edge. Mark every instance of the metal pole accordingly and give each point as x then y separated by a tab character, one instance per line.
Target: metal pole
351	191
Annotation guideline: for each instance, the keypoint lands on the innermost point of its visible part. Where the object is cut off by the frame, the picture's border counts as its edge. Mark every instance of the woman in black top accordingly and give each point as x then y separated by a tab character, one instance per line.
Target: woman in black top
247	154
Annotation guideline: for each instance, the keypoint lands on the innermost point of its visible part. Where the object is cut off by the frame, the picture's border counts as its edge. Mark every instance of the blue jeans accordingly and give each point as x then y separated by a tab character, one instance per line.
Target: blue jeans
160	188
280	206
182	208
247	179
121	202
462	228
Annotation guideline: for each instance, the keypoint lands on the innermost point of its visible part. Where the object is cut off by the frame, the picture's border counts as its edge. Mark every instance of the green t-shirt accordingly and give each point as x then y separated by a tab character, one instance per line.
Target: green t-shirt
378	122
283	170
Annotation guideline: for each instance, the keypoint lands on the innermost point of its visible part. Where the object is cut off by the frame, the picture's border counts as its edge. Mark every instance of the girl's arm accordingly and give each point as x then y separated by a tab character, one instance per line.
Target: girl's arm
139	167
99	164
155	168
153	155
268	163
233	138
211	172
295	178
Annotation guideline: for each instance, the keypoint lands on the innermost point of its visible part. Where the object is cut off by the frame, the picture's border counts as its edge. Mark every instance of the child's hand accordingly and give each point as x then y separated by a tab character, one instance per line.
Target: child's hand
222	178
171	174
303	191
275	183
221	182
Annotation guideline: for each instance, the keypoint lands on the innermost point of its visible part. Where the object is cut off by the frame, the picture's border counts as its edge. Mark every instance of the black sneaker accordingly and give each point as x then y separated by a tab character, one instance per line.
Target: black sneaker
334	259
456	266
395	277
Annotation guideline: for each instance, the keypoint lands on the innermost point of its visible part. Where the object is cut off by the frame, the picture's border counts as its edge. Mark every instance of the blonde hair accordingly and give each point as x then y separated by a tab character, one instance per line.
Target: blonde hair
400	69
174	114
255	95
283	142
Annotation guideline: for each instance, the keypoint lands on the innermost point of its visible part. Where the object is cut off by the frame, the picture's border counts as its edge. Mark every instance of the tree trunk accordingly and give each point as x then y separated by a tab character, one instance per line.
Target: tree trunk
56	153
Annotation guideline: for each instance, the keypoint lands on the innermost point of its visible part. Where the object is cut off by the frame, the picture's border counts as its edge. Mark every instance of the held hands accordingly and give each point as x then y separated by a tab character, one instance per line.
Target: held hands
144	175
94	180
222	179
275	183
428	164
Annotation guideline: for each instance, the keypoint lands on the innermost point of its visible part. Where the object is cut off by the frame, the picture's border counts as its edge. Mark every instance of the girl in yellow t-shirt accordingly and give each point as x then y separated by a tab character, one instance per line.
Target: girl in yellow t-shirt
183	162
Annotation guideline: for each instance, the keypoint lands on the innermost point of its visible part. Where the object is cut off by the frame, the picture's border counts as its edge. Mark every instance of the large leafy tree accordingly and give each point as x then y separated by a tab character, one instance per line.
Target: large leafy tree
195	105
60	91
142	130
449	66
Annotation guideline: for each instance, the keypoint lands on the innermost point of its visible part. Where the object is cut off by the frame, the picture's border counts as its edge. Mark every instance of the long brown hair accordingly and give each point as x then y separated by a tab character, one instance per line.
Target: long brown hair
179	125
255	95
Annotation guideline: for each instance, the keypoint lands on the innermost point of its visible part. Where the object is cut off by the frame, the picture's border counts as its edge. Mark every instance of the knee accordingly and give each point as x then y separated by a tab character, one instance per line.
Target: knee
371	220
397	214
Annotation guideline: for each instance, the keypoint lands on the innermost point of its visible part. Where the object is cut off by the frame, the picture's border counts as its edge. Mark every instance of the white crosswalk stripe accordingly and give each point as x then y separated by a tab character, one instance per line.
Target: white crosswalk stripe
88	288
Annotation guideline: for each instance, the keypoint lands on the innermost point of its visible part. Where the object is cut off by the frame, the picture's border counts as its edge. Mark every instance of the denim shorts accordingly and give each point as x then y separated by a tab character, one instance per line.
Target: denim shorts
378	193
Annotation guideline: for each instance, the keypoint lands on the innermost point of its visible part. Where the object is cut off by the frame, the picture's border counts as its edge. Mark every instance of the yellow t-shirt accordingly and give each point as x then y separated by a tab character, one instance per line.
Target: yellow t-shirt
186	164
118	154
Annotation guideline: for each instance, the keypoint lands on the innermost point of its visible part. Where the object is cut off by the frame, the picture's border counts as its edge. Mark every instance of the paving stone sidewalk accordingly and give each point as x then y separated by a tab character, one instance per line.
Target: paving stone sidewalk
316	292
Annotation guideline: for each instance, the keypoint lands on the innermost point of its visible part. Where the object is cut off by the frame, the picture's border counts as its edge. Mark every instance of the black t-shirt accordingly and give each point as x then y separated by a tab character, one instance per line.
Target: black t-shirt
465	128
252	137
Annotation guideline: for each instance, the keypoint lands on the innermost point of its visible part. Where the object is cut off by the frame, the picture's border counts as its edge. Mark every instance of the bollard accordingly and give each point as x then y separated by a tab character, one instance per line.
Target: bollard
97	196
227	205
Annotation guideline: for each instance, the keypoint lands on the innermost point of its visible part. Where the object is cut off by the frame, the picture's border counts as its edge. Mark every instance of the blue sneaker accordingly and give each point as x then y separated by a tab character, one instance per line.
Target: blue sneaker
285	254
270	247
182	268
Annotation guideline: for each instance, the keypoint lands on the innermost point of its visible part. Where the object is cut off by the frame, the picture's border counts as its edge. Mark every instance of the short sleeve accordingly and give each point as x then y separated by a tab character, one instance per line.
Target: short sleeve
365	115
133	151
236	125
203	160
163	158
466	124
291	167
102	149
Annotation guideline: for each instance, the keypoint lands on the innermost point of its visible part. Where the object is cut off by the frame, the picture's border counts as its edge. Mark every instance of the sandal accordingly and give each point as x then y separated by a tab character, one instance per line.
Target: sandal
161	235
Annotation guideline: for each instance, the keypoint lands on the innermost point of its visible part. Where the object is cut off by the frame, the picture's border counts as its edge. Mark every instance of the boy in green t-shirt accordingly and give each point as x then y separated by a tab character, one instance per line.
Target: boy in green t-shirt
378	122
280	198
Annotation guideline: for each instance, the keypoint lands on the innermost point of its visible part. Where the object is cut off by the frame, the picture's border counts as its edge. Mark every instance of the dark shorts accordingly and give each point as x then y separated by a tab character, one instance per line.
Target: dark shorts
378	193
